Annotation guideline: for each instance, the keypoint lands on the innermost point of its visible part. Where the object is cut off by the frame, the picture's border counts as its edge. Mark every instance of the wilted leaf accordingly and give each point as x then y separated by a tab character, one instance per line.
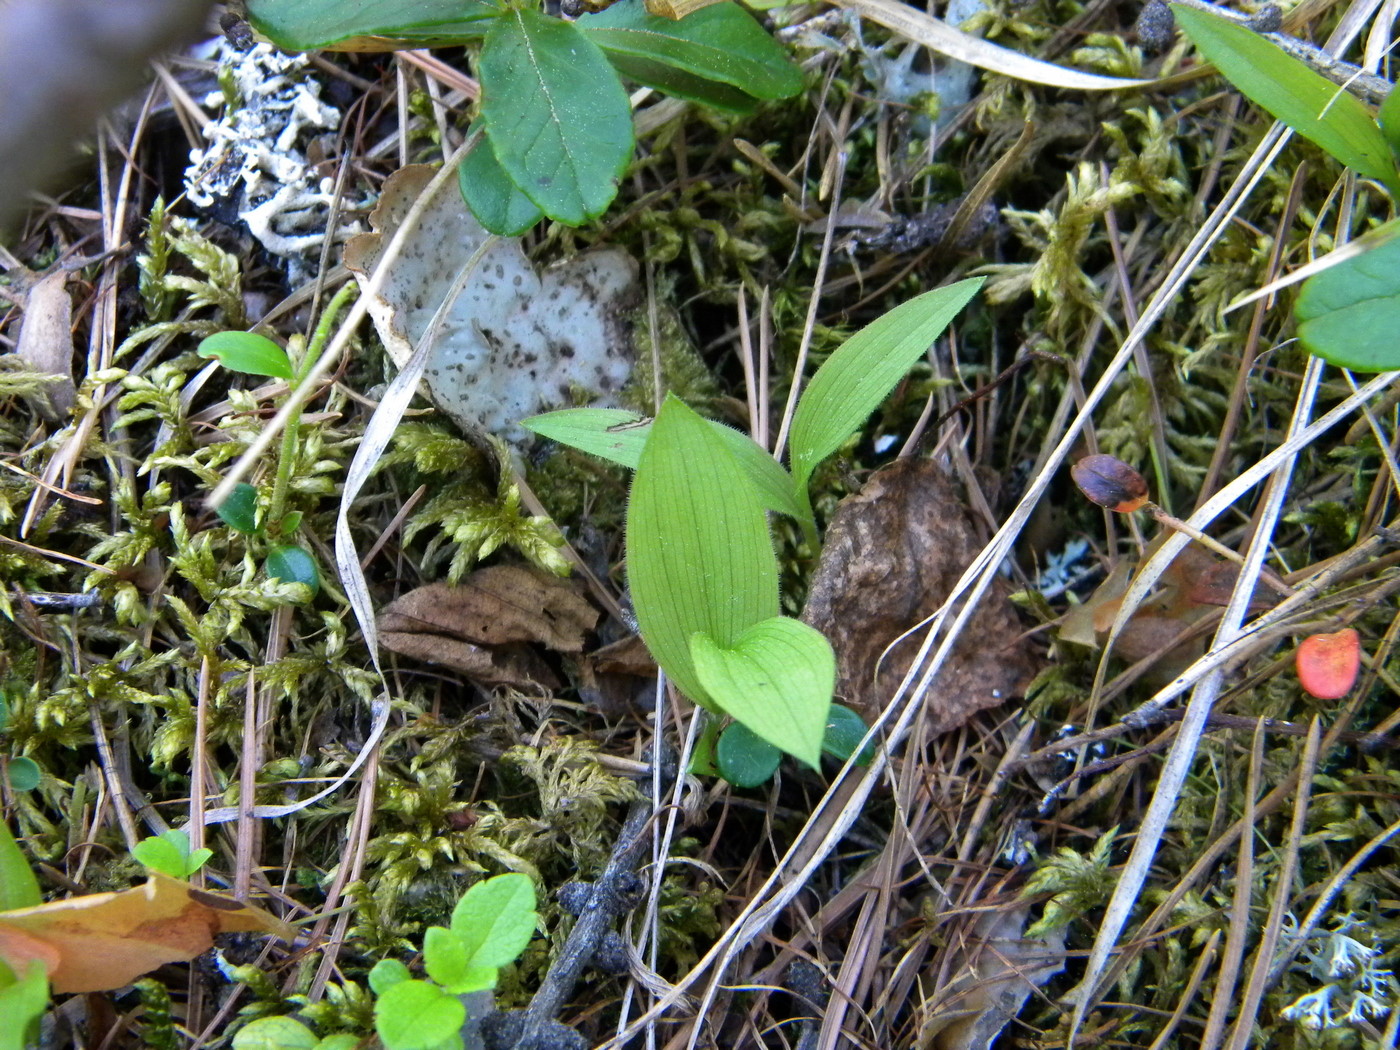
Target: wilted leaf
1111	483
106	940
515	342
45	341
893	552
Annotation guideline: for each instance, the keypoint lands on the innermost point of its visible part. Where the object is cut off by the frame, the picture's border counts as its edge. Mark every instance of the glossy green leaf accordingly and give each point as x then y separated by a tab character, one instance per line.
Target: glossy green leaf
416	1015
240	510
386	973
293	564
308	25
492	197
18	886
864	369
24	773
1350	314
275	1033
745	759
169	853
718	55
555	113
247	352
699	557
619	436
495	920
22	1004
1389	120
1307	102
776	678
844	731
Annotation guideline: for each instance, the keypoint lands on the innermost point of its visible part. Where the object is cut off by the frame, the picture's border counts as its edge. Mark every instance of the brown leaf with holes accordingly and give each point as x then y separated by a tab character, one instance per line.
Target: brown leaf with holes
486	626
107	940
893	552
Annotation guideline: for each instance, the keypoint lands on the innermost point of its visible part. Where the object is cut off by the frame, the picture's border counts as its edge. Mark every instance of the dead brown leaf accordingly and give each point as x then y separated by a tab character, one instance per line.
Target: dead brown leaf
485	627
107	940
45	342
893	552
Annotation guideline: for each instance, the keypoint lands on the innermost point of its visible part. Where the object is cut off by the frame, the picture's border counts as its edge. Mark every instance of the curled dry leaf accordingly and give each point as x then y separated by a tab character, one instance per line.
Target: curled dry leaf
45	342
515	342
893	552
485	626
1329	663
107	940
1111	483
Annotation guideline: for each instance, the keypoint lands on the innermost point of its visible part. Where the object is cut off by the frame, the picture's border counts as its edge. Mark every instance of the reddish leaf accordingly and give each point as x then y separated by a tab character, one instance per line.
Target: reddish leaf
1111	483
1328	663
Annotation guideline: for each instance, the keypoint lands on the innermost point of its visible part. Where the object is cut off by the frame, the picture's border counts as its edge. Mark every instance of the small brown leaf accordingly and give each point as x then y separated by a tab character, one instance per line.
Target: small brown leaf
1110	483
892	554
106	940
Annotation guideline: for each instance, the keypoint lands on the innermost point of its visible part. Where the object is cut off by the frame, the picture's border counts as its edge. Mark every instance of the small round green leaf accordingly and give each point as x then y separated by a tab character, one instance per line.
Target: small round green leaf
293	564
495	920
275	1033
240	510
416	1015
844	731
444	956
387	973
25	773
247	352
745	759
291	521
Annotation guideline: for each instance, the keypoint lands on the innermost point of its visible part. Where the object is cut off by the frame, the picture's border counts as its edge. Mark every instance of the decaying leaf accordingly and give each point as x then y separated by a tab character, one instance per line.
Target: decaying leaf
45	341
107	940
893	552
515	342
485	626
993	970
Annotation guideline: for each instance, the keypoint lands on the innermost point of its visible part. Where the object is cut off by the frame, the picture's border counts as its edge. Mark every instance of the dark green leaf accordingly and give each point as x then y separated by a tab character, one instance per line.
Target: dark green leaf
18	886
709	50
496	202
699	557
416	1015
306	25
1307	102
743	759
555	113
247	352
844	732
864	369
240	510
1389	118
25	774
293	564
1350	314
776	678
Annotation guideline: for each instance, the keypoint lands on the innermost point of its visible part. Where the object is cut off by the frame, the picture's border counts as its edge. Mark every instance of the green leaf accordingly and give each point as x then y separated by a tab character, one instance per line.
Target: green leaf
416	1015
718	55
555	113
275	1033
340	1041
444	956
386	973
25	773
744	759
240	510
1389	120
1350	314
495	920
776	678
18	886
618	436
1307	102
699	557
309	25
492	197
169	853
248	352
864	369
21	1005
293	564
844	731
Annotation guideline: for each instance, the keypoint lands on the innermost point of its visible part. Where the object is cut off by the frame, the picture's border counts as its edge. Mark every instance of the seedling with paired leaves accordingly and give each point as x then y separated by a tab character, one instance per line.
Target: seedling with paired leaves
701	566
1347	314
557	122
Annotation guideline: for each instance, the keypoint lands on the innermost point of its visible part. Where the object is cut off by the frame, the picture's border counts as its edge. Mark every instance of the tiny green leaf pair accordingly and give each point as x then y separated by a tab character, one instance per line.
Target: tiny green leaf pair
169	853
700	561
1349	313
